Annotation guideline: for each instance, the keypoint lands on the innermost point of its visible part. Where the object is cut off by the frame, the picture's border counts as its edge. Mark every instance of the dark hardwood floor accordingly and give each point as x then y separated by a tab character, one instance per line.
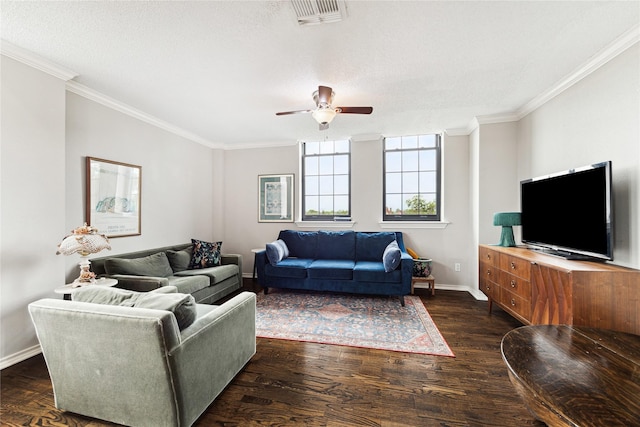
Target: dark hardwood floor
293	383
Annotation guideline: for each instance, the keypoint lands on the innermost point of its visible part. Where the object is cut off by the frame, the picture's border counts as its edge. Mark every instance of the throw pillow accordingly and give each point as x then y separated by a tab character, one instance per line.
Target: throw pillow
205	254
179	260
156	265
391	257
284	247
275	252
183	306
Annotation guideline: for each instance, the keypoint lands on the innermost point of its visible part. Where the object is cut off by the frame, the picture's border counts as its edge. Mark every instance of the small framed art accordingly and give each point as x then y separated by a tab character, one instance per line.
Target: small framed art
113	197
275	198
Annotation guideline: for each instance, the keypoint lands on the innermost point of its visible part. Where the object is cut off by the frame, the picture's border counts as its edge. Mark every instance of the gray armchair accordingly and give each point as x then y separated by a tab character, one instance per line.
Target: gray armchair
134	366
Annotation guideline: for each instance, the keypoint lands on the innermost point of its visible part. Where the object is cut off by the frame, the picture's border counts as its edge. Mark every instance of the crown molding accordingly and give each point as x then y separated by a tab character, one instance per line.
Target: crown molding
615	48
100	98
31	59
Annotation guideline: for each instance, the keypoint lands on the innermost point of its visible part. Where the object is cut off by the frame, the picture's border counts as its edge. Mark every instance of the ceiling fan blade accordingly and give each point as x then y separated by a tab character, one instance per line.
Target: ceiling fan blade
355	110
284	113
323	126
324	95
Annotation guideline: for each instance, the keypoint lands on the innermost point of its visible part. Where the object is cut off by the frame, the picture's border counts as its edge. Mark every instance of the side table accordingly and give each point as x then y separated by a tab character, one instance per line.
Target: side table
255	255
430	281
67	289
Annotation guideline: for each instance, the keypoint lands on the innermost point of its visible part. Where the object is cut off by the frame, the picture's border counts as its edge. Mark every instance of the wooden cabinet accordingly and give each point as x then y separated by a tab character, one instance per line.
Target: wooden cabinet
536	288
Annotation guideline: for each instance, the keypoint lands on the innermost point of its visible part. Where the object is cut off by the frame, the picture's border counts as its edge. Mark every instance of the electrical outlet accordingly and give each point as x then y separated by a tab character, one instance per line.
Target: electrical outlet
457	266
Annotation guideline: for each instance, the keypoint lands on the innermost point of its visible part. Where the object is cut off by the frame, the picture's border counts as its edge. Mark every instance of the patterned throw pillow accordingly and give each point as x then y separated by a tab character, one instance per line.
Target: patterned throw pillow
205	254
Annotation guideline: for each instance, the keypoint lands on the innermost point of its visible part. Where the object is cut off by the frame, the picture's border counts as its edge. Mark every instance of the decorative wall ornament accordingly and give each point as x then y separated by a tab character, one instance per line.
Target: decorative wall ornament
275	198
113	197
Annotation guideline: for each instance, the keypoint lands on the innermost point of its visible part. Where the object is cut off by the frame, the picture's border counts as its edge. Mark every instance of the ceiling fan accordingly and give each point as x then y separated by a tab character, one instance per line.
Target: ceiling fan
324	112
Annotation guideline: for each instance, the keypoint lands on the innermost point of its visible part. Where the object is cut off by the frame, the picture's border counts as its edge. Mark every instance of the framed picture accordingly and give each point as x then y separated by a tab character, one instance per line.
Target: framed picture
113	197
275	194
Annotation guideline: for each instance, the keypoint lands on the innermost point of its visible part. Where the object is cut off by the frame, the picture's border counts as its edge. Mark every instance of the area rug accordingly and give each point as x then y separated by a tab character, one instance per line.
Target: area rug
350	320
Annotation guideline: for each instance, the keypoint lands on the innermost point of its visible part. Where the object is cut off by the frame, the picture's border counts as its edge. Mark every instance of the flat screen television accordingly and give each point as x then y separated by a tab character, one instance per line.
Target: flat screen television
570	213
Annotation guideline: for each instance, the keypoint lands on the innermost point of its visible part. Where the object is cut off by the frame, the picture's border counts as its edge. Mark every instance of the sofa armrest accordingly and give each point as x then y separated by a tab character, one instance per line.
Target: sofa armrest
212	352
233	259
139	283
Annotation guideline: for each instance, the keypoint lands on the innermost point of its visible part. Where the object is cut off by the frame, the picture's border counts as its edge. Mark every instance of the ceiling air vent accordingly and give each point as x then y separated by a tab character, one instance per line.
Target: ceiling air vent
312	12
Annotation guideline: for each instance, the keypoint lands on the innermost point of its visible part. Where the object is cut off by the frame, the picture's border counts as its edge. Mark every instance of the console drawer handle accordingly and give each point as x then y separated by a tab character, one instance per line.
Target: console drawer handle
513	283
488	272
513	302
513	265
488	256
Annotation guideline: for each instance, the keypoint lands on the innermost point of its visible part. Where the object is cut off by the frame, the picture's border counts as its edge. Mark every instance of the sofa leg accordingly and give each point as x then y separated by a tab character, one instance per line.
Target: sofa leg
402	300
266	290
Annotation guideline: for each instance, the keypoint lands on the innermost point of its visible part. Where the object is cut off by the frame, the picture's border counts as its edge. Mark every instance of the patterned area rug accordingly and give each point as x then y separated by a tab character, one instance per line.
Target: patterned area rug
351	320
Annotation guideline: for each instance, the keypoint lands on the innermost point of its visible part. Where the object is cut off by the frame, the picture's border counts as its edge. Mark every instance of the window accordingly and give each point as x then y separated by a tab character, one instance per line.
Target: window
326	180
412	178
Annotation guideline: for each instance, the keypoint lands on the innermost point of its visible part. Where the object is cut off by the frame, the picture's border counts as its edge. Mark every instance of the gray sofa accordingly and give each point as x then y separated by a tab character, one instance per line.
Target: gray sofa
150	269
135	366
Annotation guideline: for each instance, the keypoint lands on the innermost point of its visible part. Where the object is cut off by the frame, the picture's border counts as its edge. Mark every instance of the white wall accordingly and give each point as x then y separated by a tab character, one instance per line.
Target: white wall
445	246
180	178
595	120
32	200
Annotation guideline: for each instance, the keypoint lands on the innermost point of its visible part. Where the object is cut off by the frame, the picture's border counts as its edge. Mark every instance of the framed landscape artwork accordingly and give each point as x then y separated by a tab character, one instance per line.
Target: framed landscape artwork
275	194
113	197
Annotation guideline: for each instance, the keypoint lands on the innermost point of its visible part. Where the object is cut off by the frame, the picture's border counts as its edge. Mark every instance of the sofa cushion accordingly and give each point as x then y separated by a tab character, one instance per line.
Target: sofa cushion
371	246
189	284
373	271
156	265
391	257
301	244
205	254
291	267
336	245
180	260
183	306
215	274
339	269
275	252
284	247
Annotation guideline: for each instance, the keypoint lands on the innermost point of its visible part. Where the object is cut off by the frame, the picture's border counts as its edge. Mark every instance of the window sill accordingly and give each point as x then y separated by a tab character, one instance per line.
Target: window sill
325	224
435	225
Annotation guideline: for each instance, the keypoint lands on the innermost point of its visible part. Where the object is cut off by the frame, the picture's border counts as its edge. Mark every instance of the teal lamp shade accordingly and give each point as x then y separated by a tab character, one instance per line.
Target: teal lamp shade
507	220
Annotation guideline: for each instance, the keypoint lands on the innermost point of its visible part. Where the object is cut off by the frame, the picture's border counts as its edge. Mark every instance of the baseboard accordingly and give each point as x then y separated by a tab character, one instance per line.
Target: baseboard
18	357
460	288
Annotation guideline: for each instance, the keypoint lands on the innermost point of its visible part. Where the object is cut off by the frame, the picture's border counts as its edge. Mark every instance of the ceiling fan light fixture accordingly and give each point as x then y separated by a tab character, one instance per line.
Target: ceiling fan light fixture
324	115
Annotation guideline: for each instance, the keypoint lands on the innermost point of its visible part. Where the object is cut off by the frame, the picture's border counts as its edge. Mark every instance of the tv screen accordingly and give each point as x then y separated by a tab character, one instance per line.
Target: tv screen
570	213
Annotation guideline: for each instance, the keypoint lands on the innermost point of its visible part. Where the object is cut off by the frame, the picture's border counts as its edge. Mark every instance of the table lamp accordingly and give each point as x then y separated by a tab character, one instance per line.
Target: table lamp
85	241
507	220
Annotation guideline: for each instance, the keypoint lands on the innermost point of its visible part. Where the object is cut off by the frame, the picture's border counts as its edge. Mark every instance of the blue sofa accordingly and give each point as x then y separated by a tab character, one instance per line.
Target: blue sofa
338	261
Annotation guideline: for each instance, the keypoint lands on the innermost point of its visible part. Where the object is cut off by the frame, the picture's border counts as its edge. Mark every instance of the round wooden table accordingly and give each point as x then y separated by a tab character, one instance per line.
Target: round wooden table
576	376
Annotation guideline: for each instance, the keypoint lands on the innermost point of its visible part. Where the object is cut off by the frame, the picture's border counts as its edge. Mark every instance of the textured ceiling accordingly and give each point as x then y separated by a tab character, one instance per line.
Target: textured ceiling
222	69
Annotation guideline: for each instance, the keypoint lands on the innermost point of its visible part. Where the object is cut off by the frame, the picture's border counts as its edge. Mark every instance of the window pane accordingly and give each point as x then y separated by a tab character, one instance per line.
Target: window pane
410	182
341	184
341	164
411	203
393	143
311	148
428	160
341	205
426	141
342	146
326	147
311	166
409	161
394	204
326	185
394	183
428	182
311	205
326	205
393	162
311	185
409	142
326	165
